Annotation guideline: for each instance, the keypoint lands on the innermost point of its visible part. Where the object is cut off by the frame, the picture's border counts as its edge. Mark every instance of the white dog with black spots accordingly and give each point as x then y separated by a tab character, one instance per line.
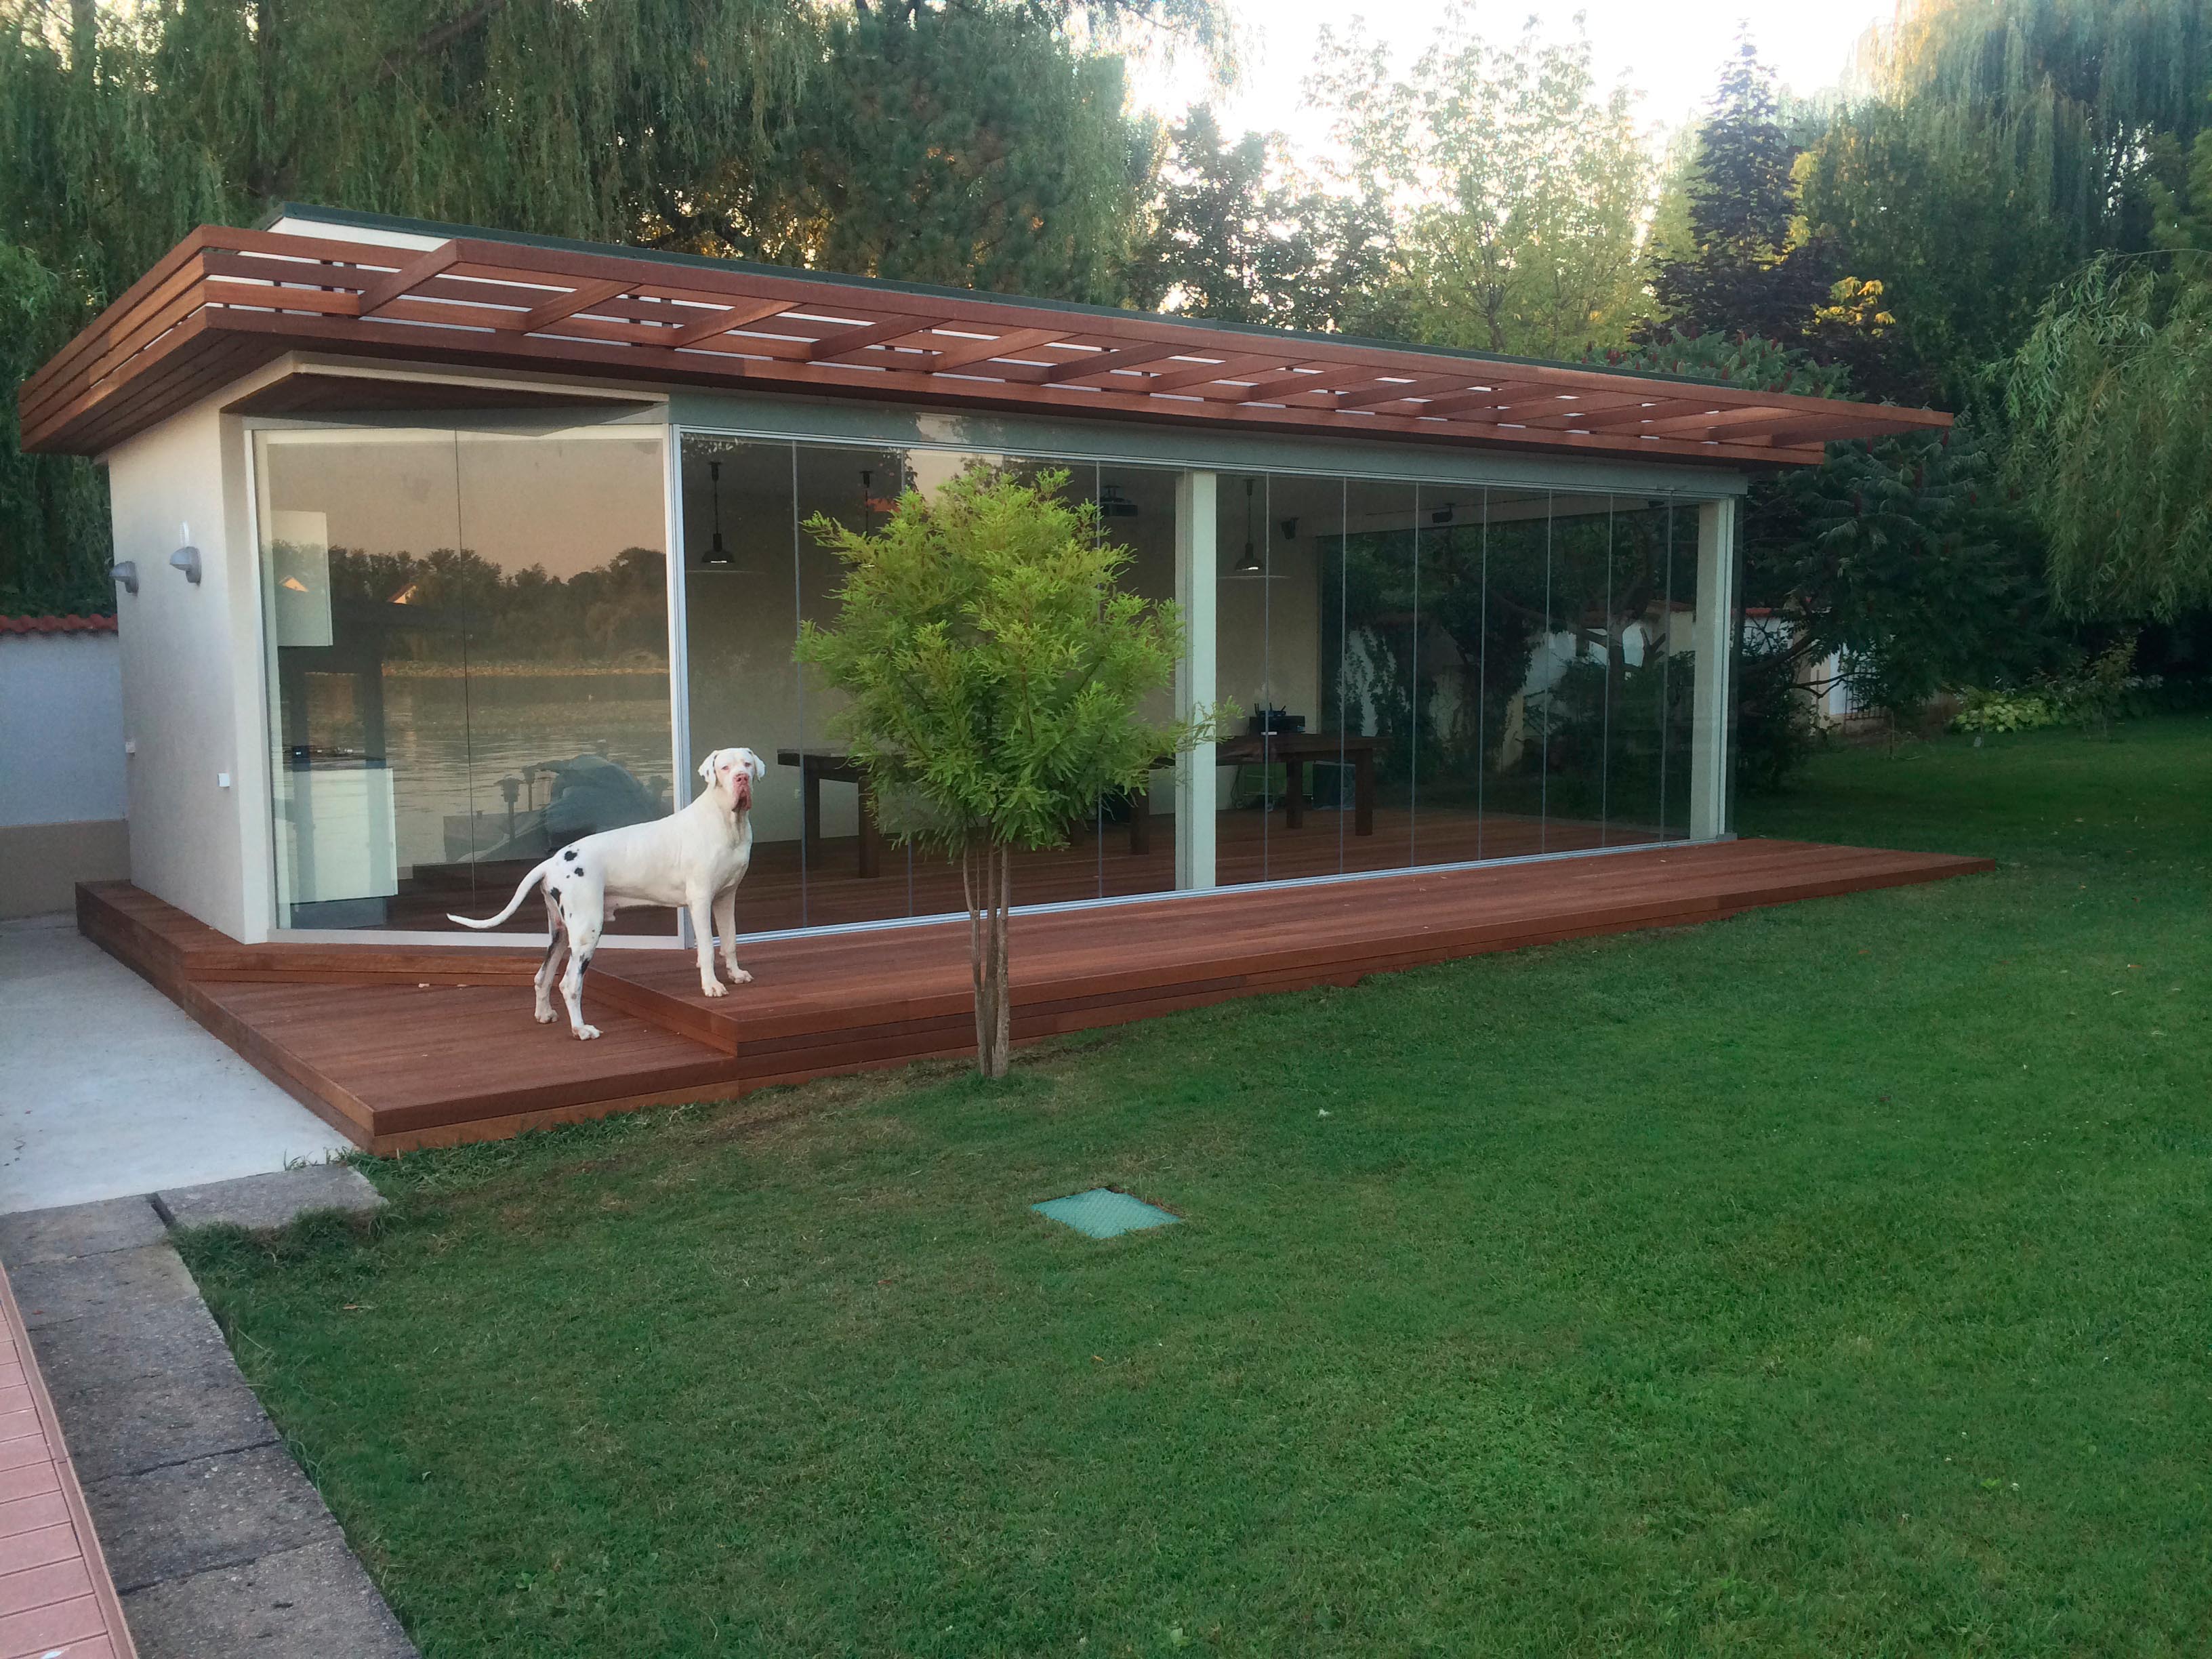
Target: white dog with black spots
695	858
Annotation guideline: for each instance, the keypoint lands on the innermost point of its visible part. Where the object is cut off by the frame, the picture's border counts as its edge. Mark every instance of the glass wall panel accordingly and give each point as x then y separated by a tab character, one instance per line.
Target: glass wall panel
1515	662
851	873
741	609
1574	704
1448	771
821	856
1135	839
1245	790
468	661
1643	720
1679	677
1370	656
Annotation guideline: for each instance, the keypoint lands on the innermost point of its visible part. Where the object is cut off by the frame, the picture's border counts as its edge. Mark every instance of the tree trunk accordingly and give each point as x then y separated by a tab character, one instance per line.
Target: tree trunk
987	876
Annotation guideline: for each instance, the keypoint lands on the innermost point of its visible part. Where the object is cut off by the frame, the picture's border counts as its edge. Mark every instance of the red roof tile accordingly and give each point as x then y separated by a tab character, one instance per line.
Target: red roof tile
57	624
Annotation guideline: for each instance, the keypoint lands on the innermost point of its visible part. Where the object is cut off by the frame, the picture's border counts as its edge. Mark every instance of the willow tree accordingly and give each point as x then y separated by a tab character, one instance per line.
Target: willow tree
126	126
1994	146
974	141
963	144
2111	406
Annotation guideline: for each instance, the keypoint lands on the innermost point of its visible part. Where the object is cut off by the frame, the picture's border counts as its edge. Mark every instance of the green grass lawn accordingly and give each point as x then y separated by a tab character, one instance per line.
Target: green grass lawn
1834	1279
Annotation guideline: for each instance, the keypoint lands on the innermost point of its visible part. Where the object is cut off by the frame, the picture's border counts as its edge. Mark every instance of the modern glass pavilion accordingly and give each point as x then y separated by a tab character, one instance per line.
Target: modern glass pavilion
440	547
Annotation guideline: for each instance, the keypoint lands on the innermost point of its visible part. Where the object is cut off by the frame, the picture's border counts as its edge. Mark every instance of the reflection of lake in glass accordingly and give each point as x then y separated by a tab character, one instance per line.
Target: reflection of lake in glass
450	740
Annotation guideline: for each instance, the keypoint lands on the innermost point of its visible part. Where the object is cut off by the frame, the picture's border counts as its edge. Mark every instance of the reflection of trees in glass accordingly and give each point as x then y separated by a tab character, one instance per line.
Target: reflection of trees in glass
1368	647
1616	700
1533	646
431	603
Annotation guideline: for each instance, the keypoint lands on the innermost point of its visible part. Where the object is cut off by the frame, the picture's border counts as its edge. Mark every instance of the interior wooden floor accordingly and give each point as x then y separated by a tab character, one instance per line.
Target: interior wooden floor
403	1046
825	888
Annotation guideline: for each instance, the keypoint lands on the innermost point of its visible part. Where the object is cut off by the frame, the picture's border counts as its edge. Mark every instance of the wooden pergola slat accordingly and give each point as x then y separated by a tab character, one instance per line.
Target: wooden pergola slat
224	300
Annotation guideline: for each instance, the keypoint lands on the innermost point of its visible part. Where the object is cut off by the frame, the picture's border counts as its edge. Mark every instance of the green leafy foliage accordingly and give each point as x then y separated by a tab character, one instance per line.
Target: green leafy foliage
53	508
1741	271
963	145
992	670
1240	235
1514	187
2110	401
1998	144
1987	712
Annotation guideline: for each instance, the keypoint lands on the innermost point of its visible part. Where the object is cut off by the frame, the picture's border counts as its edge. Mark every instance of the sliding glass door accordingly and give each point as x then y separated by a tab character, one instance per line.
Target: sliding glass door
467	657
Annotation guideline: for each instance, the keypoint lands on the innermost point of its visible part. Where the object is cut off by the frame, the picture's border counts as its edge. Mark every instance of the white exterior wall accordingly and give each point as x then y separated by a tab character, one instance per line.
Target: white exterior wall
192	708
61	728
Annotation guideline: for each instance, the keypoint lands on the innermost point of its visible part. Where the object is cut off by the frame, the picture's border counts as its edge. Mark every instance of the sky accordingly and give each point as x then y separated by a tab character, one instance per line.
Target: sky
1670	50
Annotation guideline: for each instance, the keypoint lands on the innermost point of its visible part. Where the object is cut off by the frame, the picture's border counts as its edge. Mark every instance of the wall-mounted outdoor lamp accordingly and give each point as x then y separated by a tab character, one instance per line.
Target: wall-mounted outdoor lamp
127	574
187	559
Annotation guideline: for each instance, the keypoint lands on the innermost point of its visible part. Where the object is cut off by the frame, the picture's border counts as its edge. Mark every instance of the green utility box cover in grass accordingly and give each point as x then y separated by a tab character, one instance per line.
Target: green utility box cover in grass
1101	1212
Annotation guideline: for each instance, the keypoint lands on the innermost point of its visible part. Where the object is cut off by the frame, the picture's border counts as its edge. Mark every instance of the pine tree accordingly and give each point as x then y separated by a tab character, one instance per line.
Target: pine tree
1742	275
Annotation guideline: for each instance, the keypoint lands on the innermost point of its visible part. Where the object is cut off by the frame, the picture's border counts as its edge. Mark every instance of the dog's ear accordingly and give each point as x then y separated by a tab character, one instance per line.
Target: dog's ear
758	767
706	766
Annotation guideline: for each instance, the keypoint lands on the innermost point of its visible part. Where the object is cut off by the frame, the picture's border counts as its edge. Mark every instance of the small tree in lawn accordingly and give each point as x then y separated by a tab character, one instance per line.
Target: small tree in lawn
994	673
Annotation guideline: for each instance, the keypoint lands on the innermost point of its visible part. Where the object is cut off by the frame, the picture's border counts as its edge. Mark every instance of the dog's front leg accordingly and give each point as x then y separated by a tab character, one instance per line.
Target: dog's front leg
726	924
702	906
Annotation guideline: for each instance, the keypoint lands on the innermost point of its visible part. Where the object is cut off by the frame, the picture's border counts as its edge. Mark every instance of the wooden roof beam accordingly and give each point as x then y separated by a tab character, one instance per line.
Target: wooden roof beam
846	342
1399	390
961	353
1458	403
1106	362
381	291
723	322
582	297
1304	377
1706	423
1183	375
1634	414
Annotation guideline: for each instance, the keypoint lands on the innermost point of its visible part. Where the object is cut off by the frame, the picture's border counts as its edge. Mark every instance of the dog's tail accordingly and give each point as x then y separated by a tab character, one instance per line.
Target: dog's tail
513	904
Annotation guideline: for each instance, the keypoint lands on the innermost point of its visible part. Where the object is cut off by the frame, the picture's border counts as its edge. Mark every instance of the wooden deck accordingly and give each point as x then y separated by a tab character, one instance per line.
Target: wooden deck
57	1601
401	1047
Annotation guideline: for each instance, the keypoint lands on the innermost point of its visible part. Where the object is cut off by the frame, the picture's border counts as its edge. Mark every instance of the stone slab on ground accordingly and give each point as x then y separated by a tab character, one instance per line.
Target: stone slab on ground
130	1425
74	1229
208	1514
114	1285
219	1544
311	1602
263	1202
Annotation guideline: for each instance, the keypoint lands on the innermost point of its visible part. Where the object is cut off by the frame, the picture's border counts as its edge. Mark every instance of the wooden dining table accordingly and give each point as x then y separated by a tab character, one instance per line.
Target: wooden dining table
818	767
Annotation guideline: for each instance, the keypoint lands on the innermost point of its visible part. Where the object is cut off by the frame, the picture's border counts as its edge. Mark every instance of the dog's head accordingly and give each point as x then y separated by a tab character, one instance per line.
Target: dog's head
730	772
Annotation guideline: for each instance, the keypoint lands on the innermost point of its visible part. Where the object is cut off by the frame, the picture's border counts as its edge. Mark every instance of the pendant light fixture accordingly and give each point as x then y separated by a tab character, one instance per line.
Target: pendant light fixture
717	554
1249	565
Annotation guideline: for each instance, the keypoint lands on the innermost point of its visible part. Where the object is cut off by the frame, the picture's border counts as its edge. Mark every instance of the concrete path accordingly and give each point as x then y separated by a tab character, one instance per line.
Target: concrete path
218	1545
107	1088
